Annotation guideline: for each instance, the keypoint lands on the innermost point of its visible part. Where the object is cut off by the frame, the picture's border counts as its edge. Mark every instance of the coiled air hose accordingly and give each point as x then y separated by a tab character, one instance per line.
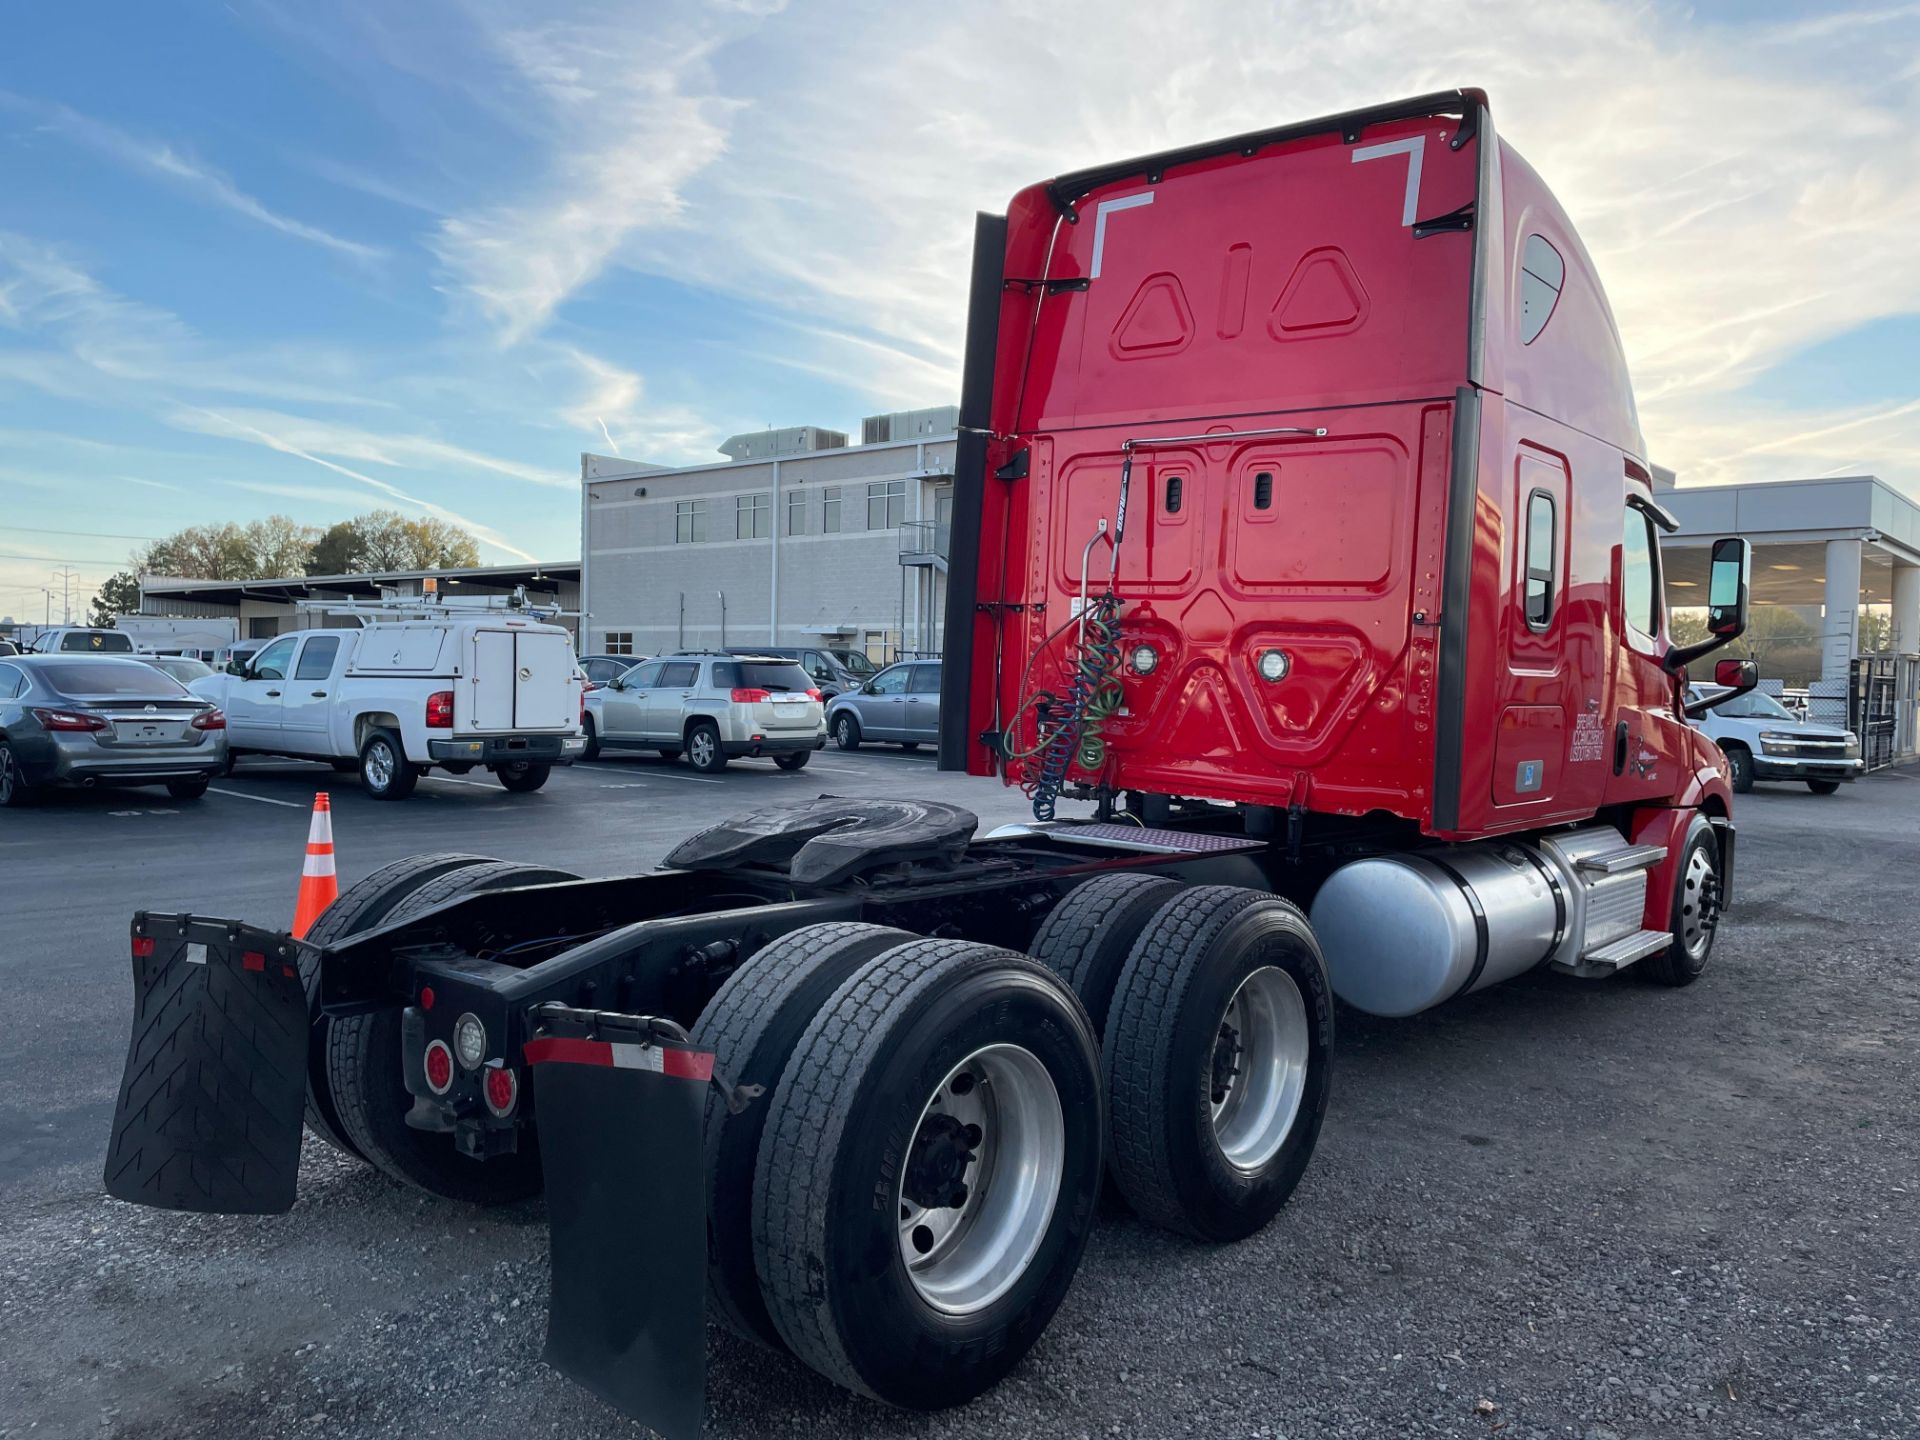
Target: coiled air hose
1070	730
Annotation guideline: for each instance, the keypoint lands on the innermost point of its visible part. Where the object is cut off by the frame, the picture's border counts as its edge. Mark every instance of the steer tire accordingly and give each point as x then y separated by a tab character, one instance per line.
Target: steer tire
15	790
841	1145
1695	914
752	1024
1739	768
703	748
371	1099
363	905
401	776
1824	787
1164	1033
1087	938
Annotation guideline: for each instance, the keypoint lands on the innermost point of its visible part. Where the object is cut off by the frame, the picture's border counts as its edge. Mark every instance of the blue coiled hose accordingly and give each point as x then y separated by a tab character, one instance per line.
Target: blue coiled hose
1070	730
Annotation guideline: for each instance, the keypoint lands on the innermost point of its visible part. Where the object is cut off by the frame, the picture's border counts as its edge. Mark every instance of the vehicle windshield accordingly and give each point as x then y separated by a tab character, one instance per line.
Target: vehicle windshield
855	662
102	641
181	667
1751	706
112	679
758	675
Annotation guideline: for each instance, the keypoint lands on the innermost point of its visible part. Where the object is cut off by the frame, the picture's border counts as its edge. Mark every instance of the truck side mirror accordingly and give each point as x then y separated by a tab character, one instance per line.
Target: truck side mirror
1728	572
1738	676
1727	578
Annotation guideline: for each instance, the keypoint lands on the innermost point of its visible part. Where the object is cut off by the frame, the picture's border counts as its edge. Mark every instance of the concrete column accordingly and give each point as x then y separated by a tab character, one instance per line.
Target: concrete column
1906	608
1840	631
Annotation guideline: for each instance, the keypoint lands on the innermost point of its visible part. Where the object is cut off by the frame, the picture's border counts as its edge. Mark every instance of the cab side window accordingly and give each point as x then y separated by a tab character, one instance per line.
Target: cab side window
316	659
926	680
1638	571
272	662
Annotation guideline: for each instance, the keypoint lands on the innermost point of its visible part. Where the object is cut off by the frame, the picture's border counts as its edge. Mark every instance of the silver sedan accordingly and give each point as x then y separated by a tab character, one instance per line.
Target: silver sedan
84	720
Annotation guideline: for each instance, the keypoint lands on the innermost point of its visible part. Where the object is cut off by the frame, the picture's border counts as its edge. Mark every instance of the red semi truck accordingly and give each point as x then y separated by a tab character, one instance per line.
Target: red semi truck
1304	527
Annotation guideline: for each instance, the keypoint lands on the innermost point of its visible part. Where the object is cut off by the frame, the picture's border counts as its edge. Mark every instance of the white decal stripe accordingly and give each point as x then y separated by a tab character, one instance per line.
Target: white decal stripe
1415	149
1105	207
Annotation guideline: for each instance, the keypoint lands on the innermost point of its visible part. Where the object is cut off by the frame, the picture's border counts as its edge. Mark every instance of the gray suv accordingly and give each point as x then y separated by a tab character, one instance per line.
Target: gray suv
710	708
834	669
900	704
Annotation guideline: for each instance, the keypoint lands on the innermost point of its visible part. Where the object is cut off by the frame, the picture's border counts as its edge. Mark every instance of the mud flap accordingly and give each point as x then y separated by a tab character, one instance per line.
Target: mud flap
215	1085
620	1108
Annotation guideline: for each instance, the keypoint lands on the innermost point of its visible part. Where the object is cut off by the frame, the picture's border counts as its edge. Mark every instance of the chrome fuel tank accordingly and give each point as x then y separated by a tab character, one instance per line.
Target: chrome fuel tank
1402	933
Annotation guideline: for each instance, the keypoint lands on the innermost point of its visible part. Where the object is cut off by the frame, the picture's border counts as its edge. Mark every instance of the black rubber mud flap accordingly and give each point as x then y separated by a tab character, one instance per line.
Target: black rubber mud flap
215	1087
620	1112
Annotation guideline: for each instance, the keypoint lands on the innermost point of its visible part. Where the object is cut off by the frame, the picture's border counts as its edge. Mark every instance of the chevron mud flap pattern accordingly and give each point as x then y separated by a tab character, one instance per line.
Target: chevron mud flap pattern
211	1102
620	1122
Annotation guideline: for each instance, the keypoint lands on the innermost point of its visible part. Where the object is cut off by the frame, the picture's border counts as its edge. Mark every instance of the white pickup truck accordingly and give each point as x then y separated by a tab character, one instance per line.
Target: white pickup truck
397	697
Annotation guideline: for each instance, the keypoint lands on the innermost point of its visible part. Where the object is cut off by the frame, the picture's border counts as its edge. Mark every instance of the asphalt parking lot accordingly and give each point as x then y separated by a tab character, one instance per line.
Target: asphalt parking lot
1606	1210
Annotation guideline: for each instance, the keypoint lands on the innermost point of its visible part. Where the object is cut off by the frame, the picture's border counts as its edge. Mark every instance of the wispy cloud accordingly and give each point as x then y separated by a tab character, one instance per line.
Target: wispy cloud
170	163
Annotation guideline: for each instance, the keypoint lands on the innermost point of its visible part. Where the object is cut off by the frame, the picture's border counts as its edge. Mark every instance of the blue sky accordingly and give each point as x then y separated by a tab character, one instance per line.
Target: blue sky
261	257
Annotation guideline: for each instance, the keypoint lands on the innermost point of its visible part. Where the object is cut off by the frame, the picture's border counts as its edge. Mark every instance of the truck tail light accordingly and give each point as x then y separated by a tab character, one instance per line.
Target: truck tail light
68	720
751	697
439	1067
502	1089
209	720
440	710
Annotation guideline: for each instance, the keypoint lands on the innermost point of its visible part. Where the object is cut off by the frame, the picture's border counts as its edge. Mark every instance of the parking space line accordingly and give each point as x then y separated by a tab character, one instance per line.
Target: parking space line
262	799
456	780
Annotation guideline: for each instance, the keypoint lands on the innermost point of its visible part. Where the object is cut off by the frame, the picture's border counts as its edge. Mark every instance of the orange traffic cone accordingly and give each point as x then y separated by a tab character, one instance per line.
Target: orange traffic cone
318	887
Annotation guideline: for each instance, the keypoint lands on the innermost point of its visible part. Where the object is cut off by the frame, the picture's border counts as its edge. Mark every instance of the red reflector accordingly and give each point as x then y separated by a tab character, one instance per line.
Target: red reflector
440	710
746	696
426	997
502	1089
253	960
142	946
439	1067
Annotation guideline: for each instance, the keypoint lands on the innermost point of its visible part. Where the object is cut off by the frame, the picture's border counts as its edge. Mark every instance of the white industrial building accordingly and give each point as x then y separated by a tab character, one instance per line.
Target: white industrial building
798	538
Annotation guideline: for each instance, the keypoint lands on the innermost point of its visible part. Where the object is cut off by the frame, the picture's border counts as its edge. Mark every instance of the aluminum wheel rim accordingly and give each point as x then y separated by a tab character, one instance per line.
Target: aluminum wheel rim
845	727
702	748
961	1258
1259	1072
380	765
1699	904
6	774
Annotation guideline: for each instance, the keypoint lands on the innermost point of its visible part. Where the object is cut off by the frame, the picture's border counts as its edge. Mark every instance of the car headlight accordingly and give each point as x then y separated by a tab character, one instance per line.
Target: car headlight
1772	741
1853	746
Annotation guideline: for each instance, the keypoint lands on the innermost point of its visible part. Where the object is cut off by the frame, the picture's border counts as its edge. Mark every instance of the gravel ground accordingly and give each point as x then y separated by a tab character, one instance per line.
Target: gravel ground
1555	1209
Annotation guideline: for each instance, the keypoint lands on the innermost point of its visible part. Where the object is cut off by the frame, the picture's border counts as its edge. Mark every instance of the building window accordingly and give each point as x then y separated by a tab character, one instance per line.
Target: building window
796	512
752	516
619	642
689	521
882	646
830	510
886	504
1540	559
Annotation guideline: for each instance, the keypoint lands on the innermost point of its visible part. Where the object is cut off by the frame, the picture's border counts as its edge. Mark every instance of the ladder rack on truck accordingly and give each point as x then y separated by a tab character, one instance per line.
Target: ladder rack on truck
1303	526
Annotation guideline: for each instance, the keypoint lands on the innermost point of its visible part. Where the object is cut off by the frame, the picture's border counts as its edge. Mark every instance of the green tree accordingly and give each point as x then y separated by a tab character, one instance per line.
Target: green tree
337	552
117	595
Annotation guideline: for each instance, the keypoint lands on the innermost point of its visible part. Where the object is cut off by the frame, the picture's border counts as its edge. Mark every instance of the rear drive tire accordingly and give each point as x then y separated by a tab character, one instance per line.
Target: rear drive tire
188	789
1695	915
384	771
1219	1050
523	777
846	731
363	905
16	791
937	1051
752	1025
1087	938
591	751
364	1073
1823	787
1739	768
703	748
793	759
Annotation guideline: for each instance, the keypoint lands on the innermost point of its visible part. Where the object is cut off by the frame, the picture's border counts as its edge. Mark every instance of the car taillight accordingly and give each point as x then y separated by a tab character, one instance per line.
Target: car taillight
440	710
209	720
583	705
751	697
68	720
815	695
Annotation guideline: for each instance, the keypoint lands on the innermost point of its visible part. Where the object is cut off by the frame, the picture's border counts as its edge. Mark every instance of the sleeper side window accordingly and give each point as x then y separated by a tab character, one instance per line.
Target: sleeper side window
1543	274
1542	559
